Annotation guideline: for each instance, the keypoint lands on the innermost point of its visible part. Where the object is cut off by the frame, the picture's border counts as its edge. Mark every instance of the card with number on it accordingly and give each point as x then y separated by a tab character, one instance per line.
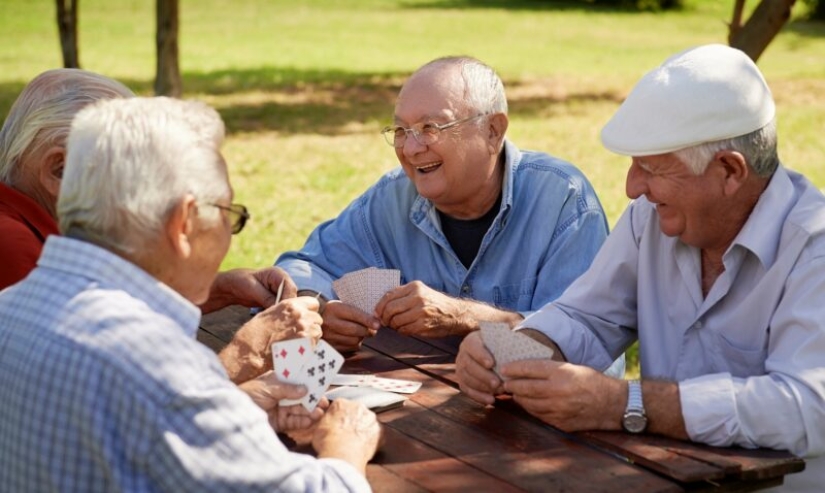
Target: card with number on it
507	345
295	361
364	288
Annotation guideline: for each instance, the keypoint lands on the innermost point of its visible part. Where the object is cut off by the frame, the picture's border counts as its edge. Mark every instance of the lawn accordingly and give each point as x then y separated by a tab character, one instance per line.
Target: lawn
304	86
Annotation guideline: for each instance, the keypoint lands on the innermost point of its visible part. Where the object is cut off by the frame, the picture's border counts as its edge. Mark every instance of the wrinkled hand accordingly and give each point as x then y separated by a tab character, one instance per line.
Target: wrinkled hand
266	391
346	326
348	431
474	370
417	309
249	354
249	287
567	396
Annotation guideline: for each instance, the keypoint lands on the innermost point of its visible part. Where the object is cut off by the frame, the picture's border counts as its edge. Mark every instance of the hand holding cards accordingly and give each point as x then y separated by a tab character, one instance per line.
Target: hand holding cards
508	346
297	362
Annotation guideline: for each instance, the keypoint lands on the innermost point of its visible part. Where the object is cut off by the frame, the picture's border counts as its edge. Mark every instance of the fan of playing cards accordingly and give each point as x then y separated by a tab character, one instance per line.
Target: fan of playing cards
508	346
297	362
364	288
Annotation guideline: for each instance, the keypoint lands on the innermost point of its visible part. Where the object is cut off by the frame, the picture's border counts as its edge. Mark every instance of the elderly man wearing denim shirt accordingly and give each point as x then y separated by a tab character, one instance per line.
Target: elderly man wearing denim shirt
716	268
479	229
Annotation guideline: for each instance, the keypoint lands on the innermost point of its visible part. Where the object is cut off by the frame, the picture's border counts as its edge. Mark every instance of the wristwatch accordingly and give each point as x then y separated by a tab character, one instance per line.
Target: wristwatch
634	419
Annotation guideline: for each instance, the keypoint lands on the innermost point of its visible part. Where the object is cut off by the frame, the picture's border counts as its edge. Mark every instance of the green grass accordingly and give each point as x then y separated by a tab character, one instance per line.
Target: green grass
304	86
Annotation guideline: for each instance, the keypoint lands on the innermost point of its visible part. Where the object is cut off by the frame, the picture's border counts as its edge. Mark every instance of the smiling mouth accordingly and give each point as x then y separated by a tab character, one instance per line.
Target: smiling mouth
427	168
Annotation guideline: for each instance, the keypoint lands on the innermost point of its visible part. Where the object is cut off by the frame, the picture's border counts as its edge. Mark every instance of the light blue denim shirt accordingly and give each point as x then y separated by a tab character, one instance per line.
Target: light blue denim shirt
546	233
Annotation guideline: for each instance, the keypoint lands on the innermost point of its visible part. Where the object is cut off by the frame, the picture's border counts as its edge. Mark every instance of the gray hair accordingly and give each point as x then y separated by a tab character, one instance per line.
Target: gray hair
42	114
484	90
130	161
758	147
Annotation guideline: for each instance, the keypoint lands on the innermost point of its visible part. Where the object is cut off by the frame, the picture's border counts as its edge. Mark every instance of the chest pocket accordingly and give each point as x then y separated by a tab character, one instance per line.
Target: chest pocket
515	296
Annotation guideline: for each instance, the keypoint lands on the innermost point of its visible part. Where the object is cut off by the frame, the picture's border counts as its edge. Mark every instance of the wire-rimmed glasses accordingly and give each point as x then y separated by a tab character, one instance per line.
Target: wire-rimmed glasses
426	133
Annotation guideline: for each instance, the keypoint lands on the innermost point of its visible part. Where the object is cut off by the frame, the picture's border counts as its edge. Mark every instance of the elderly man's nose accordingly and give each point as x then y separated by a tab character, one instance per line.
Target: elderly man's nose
636	183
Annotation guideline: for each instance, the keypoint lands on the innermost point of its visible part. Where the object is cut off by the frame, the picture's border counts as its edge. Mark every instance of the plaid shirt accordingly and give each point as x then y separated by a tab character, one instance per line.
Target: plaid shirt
104	388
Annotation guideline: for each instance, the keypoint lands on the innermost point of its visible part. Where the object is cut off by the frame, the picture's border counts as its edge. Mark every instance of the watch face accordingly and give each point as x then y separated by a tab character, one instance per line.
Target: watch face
635	422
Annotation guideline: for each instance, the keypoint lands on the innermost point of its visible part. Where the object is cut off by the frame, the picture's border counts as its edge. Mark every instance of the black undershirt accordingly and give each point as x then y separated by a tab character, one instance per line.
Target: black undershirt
465	236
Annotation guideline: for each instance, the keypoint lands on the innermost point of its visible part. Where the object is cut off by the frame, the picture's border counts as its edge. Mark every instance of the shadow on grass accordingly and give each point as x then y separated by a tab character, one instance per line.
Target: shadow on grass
807	28
545	5
293	101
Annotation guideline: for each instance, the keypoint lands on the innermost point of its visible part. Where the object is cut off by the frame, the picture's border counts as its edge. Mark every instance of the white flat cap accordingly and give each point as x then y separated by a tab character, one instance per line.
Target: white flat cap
703	94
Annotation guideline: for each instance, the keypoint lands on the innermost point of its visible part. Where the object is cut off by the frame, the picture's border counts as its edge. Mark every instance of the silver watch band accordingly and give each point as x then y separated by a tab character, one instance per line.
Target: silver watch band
634	395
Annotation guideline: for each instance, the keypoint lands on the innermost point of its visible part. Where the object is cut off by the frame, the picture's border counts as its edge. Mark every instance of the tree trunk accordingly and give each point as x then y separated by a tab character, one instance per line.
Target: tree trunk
167	79
67	26
762	26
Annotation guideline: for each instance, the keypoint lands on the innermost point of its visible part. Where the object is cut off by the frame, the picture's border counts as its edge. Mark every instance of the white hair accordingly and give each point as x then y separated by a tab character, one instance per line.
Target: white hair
130	161
758	147
483	89
43	112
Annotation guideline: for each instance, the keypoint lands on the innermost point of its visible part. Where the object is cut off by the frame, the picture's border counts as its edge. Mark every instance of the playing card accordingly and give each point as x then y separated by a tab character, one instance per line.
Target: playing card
364	288
318	373
289	357
508	346
354	380
394	385
377	400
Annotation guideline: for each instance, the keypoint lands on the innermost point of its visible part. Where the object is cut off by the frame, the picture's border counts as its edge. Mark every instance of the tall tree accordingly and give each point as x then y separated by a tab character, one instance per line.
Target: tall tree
67	26
167	79
763	25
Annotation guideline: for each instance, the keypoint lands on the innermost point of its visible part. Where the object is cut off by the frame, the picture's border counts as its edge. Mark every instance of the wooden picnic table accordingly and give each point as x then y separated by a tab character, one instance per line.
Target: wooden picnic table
441	440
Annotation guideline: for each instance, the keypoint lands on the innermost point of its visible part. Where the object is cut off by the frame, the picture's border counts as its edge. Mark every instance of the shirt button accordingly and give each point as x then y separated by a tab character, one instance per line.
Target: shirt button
465	289
697	325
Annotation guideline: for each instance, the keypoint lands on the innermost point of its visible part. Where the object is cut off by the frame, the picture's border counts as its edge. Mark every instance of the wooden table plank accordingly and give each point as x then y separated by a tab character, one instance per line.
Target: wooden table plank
689	462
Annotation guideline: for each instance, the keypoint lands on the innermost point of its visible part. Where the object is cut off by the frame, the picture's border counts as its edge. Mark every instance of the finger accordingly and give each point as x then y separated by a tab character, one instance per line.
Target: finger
391	295
306	302
477	395
530	368
343	343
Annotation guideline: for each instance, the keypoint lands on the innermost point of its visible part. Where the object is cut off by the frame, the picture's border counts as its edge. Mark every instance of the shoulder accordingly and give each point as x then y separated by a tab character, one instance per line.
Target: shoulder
138	344
539	173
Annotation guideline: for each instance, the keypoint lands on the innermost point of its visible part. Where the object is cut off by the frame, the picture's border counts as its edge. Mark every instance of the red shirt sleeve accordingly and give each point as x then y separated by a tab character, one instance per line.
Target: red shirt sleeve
19	250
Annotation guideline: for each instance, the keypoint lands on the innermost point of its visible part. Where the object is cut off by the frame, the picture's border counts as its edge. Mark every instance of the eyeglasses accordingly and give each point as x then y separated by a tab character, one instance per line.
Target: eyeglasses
242	215
425	134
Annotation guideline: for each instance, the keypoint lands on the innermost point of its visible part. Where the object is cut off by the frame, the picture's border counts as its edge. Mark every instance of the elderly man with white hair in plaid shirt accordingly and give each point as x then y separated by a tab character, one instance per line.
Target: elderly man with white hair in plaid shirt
103	386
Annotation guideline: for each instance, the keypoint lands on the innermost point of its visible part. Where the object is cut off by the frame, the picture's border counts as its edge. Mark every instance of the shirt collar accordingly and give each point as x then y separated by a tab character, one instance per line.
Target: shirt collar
83	259
29	210
763	229
423	207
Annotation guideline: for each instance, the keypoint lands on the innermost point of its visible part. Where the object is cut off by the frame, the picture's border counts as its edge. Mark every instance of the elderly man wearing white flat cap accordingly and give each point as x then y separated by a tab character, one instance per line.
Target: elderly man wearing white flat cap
717	268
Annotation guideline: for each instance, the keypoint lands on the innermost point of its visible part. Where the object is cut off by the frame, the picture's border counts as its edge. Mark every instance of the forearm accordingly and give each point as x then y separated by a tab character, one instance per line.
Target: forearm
663	408
471	312
239	358
219	295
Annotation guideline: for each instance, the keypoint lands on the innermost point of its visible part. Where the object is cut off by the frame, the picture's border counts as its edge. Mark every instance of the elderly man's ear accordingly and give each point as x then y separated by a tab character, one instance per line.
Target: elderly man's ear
734	168
51	170
496	128
181	225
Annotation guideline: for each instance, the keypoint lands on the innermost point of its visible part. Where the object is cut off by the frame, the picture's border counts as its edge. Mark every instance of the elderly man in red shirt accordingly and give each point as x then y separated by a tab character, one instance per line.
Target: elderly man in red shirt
32	152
